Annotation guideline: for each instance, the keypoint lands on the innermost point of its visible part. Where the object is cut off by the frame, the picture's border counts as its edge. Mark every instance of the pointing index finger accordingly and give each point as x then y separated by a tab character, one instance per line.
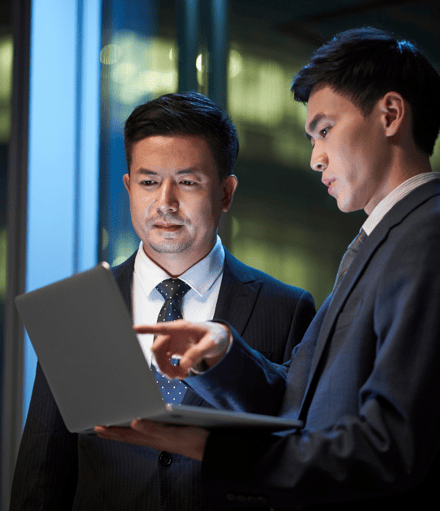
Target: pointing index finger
159	328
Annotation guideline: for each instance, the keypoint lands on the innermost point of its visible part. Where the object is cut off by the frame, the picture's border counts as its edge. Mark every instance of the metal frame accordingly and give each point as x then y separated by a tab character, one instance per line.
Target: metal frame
12	388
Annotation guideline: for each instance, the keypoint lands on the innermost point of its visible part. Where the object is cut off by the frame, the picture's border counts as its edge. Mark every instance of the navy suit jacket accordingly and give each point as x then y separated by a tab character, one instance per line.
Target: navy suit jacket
58	470
365	379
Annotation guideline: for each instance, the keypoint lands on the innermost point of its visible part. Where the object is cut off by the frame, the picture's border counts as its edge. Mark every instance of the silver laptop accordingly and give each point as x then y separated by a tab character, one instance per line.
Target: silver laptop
82	333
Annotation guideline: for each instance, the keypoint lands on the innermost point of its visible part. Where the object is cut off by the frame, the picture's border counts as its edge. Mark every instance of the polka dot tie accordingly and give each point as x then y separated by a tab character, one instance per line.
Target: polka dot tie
173	291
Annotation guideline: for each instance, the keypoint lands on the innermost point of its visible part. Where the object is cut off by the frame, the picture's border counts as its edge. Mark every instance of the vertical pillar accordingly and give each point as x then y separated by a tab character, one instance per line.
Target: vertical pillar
12	387
188	32
218	49
218	54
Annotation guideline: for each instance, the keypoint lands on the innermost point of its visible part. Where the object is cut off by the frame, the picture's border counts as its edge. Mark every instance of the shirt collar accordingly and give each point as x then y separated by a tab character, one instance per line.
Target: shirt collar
394	197
201	277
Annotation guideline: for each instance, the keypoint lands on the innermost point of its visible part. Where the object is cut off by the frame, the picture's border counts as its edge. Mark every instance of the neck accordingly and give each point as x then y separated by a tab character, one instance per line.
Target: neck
175	264
410	164
404	164
408	160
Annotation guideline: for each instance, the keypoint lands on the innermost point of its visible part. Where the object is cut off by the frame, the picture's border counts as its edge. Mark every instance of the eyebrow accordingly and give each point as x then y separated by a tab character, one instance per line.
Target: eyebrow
313	124
149	172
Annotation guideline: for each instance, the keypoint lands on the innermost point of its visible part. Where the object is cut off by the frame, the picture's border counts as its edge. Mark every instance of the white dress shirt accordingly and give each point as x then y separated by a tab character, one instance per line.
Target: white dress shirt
394	197
199	302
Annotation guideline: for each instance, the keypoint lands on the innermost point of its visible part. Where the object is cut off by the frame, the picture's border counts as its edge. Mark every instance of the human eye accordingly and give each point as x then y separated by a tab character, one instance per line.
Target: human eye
188	182
324	131
147	183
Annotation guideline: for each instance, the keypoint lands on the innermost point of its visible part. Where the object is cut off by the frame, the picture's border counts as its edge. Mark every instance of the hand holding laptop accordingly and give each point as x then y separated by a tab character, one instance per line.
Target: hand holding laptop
188	441
193	343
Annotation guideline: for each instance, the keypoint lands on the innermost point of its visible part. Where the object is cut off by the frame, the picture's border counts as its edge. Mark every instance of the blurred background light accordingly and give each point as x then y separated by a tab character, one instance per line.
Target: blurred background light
140	66
6	55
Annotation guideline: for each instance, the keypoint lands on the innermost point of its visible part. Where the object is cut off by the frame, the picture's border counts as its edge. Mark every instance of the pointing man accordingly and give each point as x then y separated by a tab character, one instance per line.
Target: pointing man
365	379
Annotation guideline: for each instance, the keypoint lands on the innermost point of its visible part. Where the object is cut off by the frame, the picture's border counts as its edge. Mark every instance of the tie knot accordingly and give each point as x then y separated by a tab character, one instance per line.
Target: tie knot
173	289
349	256
356	243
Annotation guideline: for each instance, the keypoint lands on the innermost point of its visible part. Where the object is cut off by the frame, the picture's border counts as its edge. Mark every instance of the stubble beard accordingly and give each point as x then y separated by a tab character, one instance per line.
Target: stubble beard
168	244
170	247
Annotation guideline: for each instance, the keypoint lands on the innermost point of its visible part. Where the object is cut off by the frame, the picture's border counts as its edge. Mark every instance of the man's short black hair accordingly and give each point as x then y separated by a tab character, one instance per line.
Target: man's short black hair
187	113
363	64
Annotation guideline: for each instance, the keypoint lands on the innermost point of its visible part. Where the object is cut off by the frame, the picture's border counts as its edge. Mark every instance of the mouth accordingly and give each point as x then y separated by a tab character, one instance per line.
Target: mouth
167	226
329	183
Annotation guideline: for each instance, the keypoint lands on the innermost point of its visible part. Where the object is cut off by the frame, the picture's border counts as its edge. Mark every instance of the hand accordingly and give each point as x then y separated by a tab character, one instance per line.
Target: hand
192	343
189	441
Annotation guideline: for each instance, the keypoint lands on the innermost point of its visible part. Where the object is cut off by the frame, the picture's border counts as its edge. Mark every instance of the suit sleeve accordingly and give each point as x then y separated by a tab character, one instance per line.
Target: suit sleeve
302	317
387	442
222	386
46	470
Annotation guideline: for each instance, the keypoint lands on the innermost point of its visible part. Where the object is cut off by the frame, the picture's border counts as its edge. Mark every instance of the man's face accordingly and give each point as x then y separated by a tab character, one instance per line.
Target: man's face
348	149
176	197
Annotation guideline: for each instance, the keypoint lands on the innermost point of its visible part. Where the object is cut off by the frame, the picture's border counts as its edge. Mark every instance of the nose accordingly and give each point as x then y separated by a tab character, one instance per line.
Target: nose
167	199
318	160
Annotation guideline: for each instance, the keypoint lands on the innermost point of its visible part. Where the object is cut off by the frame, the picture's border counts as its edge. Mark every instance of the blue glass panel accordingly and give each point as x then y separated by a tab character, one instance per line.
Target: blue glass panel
63	146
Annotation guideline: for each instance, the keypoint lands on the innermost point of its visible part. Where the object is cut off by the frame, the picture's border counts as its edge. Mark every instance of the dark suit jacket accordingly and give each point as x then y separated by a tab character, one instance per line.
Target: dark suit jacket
63	471
365	379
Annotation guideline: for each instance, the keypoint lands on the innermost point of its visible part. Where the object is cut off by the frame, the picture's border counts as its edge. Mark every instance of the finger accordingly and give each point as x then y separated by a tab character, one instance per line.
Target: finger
189	441
166	346
118	434
197	353
145	426
162	353
166	327
193	357
151	329
172	371
186	440
160	350
208	349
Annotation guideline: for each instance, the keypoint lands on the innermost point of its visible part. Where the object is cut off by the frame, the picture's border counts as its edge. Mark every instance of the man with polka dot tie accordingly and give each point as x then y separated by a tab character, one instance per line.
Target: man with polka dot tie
181	150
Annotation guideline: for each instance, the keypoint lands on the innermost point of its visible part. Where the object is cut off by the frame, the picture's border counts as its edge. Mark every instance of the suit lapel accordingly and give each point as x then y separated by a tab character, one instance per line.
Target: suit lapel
334	304
124	277
236	300
394	217
238	294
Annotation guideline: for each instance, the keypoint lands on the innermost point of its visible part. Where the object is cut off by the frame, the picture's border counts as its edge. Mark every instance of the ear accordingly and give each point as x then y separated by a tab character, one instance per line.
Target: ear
229	185
394	112
126	179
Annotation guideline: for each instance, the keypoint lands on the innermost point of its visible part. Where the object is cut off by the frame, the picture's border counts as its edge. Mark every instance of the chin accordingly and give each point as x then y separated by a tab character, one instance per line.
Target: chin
343	207
170	246
347	207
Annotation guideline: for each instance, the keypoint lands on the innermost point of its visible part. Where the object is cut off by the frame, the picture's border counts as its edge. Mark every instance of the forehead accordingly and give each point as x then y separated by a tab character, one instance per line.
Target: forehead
325	103
161	153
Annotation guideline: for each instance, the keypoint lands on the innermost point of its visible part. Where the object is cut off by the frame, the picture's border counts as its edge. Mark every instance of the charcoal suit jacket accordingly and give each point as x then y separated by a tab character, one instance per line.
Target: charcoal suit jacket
365	379
58	470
